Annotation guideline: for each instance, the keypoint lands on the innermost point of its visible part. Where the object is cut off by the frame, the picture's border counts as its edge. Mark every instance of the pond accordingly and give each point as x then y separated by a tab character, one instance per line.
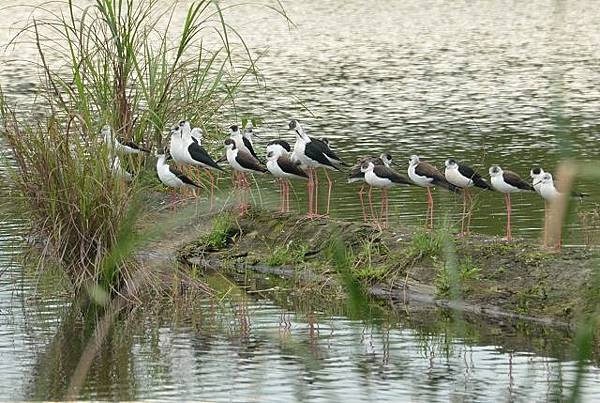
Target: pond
483	82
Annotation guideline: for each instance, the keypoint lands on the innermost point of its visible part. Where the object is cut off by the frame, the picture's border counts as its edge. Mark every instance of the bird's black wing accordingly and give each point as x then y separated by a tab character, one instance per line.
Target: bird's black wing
182	177
135	146
470	173
248	145
199	154
315	153
426	169
249	162
515	180
384	172
325	149
290	167
282	143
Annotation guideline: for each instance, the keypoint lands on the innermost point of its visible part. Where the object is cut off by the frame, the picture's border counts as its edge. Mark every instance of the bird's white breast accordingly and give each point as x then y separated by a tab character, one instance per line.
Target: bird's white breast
372	179
423	181
548	191
501	186
457	179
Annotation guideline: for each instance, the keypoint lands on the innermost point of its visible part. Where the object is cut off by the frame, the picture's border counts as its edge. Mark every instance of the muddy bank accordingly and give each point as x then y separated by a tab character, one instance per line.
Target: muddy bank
479	275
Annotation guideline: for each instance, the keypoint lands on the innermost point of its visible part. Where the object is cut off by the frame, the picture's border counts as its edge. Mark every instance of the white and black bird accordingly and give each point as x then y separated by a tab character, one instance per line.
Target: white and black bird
383	177
186	150
535	174
357	175
118	145
313	154
197	135
426	175
464	177
243	141
243	162
281	166
117	168
508	182
171	176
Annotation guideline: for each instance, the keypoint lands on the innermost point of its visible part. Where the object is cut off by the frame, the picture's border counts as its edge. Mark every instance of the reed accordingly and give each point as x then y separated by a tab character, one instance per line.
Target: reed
127	64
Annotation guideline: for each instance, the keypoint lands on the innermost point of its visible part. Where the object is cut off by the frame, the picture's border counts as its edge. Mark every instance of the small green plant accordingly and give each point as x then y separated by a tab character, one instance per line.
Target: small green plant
426	244
222	231
444	283
289	254
468	270
364	267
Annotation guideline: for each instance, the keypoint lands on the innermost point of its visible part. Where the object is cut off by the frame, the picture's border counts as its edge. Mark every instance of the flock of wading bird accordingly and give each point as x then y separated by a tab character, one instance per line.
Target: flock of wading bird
309	154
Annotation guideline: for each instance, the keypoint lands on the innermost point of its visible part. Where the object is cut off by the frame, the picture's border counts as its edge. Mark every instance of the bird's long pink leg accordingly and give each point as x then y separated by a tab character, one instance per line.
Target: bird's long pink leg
316	191
545	224
382	208
384	216
430	204
508	210
469	210
310	189
329	187
361	193
373	216
212	189
464	215
387	207
281	195
287	196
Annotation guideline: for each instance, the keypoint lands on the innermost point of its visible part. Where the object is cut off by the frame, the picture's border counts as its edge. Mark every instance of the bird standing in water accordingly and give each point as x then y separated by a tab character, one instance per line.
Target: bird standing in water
357	175
464	177
284	168
426	175
312	154
382	177
508	182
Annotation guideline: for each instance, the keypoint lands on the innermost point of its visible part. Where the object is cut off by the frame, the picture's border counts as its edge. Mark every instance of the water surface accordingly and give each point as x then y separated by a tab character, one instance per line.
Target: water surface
484	81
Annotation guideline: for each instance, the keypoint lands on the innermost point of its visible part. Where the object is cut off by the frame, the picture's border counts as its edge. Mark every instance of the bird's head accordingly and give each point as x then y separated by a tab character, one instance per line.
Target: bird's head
229	144
536	172
414	160
546	178
234	129
366	166
451	164
495	170
386	158
185	125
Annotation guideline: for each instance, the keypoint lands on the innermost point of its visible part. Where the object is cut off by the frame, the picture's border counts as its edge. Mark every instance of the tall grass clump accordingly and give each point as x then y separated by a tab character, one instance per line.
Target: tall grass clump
128	64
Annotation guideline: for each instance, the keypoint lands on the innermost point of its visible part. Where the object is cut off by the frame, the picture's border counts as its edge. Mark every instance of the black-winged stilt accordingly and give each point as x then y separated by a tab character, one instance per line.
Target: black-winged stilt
508	182
126	147
543	183
383	177
118	169
243	162
284	168
186	150
357	175
464	177
313	154
426	175
171	176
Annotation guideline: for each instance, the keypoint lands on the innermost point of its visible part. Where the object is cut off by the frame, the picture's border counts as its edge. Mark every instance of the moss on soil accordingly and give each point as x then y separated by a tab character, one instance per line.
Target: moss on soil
486	273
